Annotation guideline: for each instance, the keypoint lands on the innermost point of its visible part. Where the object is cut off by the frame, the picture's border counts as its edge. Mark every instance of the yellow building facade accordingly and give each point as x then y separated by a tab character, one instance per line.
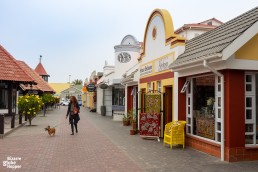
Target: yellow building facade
160	47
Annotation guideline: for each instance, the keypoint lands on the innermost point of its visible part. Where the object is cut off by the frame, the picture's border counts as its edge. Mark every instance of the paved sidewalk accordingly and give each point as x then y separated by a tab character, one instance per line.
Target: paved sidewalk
101	145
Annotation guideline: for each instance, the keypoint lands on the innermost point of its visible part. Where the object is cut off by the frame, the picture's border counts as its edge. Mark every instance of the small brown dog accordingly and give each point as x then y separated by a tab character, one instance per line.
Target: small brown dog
51	131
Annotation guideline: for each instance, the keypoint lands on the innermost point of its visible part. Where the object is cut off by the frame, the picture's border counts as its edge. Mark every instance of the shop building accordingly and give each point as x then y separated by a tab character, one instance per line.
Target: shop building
11	76
127	53
104	91
217	83
91	95
73	90
160	47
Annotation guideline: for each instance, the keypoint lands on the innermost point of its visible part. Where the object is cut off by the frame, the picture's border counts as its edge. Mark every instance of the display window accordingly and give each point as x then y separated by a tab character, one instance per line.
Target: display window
202	104
251	109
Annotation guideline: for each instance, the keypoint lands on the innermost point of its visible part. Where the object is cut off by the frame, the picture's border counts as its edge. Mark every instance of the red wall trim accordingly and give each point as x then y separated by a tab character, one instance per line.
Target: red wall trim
181	100
129	98
234	108
157	77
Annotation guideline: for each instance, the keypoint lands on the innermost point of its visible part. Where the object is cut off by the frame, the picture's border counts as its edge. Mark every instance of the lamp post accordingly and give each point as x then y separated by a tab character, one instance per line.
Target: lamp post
69	78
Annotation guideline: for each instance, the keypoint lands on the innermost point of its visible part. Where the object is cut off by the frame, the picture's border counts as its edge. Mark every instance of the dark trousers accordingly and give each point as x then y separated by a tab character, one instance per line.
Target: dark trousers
73	122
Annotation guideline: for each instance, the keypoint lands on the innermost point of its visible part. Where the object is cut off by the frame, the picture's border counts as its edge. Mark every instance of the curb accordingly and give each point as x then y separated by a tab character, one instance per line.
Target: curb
12	130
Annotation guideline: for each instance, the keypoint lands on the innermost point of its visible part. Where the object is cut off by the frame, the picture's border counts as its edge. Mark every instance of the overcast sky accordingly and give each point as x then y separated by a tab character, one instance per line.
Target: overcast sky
75	37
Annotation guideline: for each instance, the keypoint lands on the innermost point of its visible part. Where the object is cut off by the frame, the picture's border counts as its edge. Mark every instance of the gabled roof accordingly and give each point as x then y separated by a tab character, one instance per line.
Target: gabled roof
41	70
42	85
216	40
58	87
202	25
10	70
72	88
212	19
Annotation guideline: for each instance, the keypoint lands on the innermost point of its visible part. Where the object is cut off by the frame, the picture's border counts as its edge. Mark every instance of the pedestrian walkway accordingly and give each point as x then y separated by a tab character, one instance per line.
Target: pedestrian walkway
7	124
101	145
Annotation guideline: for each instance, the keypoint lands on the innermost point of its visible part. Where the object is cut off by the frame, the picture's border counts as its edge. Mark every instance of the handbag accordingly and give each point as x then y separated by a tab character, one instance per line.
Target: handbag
75	110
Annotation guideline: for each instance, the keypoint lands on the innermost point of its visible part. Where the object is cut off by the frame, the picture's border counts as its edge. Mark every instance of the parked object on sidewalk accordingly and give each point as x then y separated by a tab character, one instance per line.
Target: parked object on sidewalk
150	125
175	133
51	131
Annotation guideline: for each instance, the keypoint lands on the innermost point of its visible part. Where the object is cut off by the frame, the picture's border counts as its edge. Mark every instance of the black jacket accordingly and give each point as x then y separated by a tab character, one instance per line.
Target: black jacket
69	108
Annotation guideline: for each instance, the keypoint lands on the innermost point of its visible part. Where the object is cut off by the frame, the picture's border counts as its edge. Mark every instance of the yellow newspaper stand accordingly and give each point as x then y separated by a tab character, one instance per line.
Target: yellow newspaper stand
175	133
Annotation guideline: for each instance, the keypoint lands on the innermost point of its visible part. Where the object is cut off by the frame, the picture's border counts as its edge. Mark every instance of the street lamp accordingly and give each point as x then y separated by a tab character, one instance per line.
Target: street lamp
69	78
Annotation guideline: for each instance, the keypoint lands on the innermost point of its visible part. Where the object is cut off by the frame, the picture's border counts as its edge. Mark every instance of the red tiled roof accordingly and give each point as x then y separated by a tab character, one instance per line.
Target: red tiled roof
10	70
195	25
214	19
42	84
202	25
41	70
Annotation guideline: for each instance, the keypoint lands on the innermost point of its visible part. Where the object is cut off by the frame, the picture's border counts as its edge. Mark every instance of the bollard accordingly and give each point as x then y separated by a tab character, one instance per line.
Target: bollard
1	125
20	118
13	121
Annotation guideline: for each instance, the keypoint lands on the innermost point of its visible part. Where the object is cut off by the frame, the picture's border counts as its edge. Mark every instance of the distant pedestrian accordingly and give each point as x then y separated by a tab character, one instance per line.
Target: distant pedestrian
73	113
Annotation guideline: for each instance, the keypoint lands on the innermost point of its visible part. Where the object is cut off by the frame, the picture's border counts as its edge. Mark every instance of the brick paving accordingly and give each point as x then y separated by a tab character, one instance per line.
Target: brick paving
101	145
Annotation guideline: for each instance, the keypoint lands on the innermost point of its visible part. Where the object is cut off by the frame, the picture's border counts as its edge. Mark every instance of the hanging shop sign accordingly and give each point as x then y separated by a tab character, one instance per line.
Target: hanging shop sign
91	87
103	86
146	69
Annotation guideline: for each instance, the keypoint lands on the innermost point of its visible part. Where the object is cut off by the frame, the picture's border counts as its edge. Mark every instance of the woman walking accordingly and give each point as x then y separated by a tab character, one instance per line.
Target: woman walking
73	112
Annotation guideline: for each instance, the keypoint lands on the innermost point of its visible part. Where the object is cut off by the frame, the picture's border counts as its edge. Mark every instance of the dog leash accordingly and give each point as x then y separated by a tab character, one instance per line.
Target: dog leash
57	124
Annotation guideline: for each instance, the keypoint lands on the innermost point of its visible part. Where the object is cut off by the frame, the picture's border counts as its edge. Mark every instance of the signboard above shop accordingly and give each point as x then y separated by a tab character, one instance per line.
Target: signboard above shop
163	63
91	87
146	69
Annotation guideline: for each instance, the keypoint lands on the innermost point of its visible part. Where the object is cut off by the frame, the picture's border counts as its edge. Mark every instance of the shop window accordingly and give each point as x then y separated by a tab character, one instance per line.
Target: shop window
149	86
159	86
204	107
118	96
251	109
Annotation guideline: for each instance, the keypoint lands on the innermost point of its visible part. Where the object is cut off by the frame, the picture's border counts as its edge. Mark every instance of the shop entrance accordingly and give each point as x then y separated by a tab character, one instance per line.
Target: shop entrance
167	105
151	116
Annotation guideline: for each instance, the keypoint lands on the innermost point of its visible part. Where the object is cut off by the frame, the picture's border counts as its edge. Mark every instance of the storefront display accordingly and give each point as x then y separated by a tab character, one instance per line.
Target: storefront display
150	124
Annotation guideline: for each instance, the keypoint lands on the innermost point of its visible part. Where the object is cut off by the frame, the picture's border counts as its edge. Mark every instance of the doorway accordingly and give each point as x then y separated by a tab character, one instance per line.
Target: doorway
167	104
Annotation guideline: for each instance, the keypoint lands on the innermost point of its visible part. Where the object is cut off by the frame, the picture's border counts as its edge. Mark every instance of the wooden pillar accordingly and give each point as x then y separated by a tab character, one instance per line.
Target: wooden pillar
10	104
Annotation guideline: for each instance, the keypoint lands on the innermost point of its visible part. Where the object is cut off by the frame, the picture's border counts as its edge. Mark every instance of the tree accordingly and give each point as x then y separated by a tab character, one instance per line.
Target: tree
29	105
77	82
48	100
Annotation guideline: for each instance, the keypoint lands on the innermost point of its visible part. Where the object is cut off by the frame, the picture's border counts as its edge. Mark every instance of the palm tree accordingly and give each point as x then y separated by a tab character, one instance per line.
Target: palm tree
77	82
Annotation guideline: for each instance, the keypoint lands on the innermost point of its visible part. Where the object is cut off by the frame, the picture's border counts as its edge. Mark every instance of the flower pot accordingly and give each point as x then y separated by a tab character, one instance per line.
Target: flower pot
132	132
126	122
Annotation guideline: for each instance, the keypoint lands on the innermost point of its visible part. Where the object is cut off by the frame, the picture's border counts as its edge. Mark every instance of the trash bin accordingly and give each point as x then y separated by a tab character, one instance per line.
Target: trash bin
103	110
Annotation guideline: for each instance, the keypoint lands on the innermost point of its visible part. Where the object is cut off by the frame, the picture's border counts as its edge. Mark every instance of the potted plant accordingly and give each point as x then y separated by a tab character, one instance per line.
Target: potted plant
126	120
132	132
134	129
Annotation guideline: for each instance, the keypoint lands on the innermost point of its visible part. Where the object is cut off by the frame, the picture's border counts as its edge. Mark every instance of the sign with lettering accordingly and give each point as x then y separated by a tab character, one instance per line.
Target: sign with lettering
163	63
91	87
146	69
